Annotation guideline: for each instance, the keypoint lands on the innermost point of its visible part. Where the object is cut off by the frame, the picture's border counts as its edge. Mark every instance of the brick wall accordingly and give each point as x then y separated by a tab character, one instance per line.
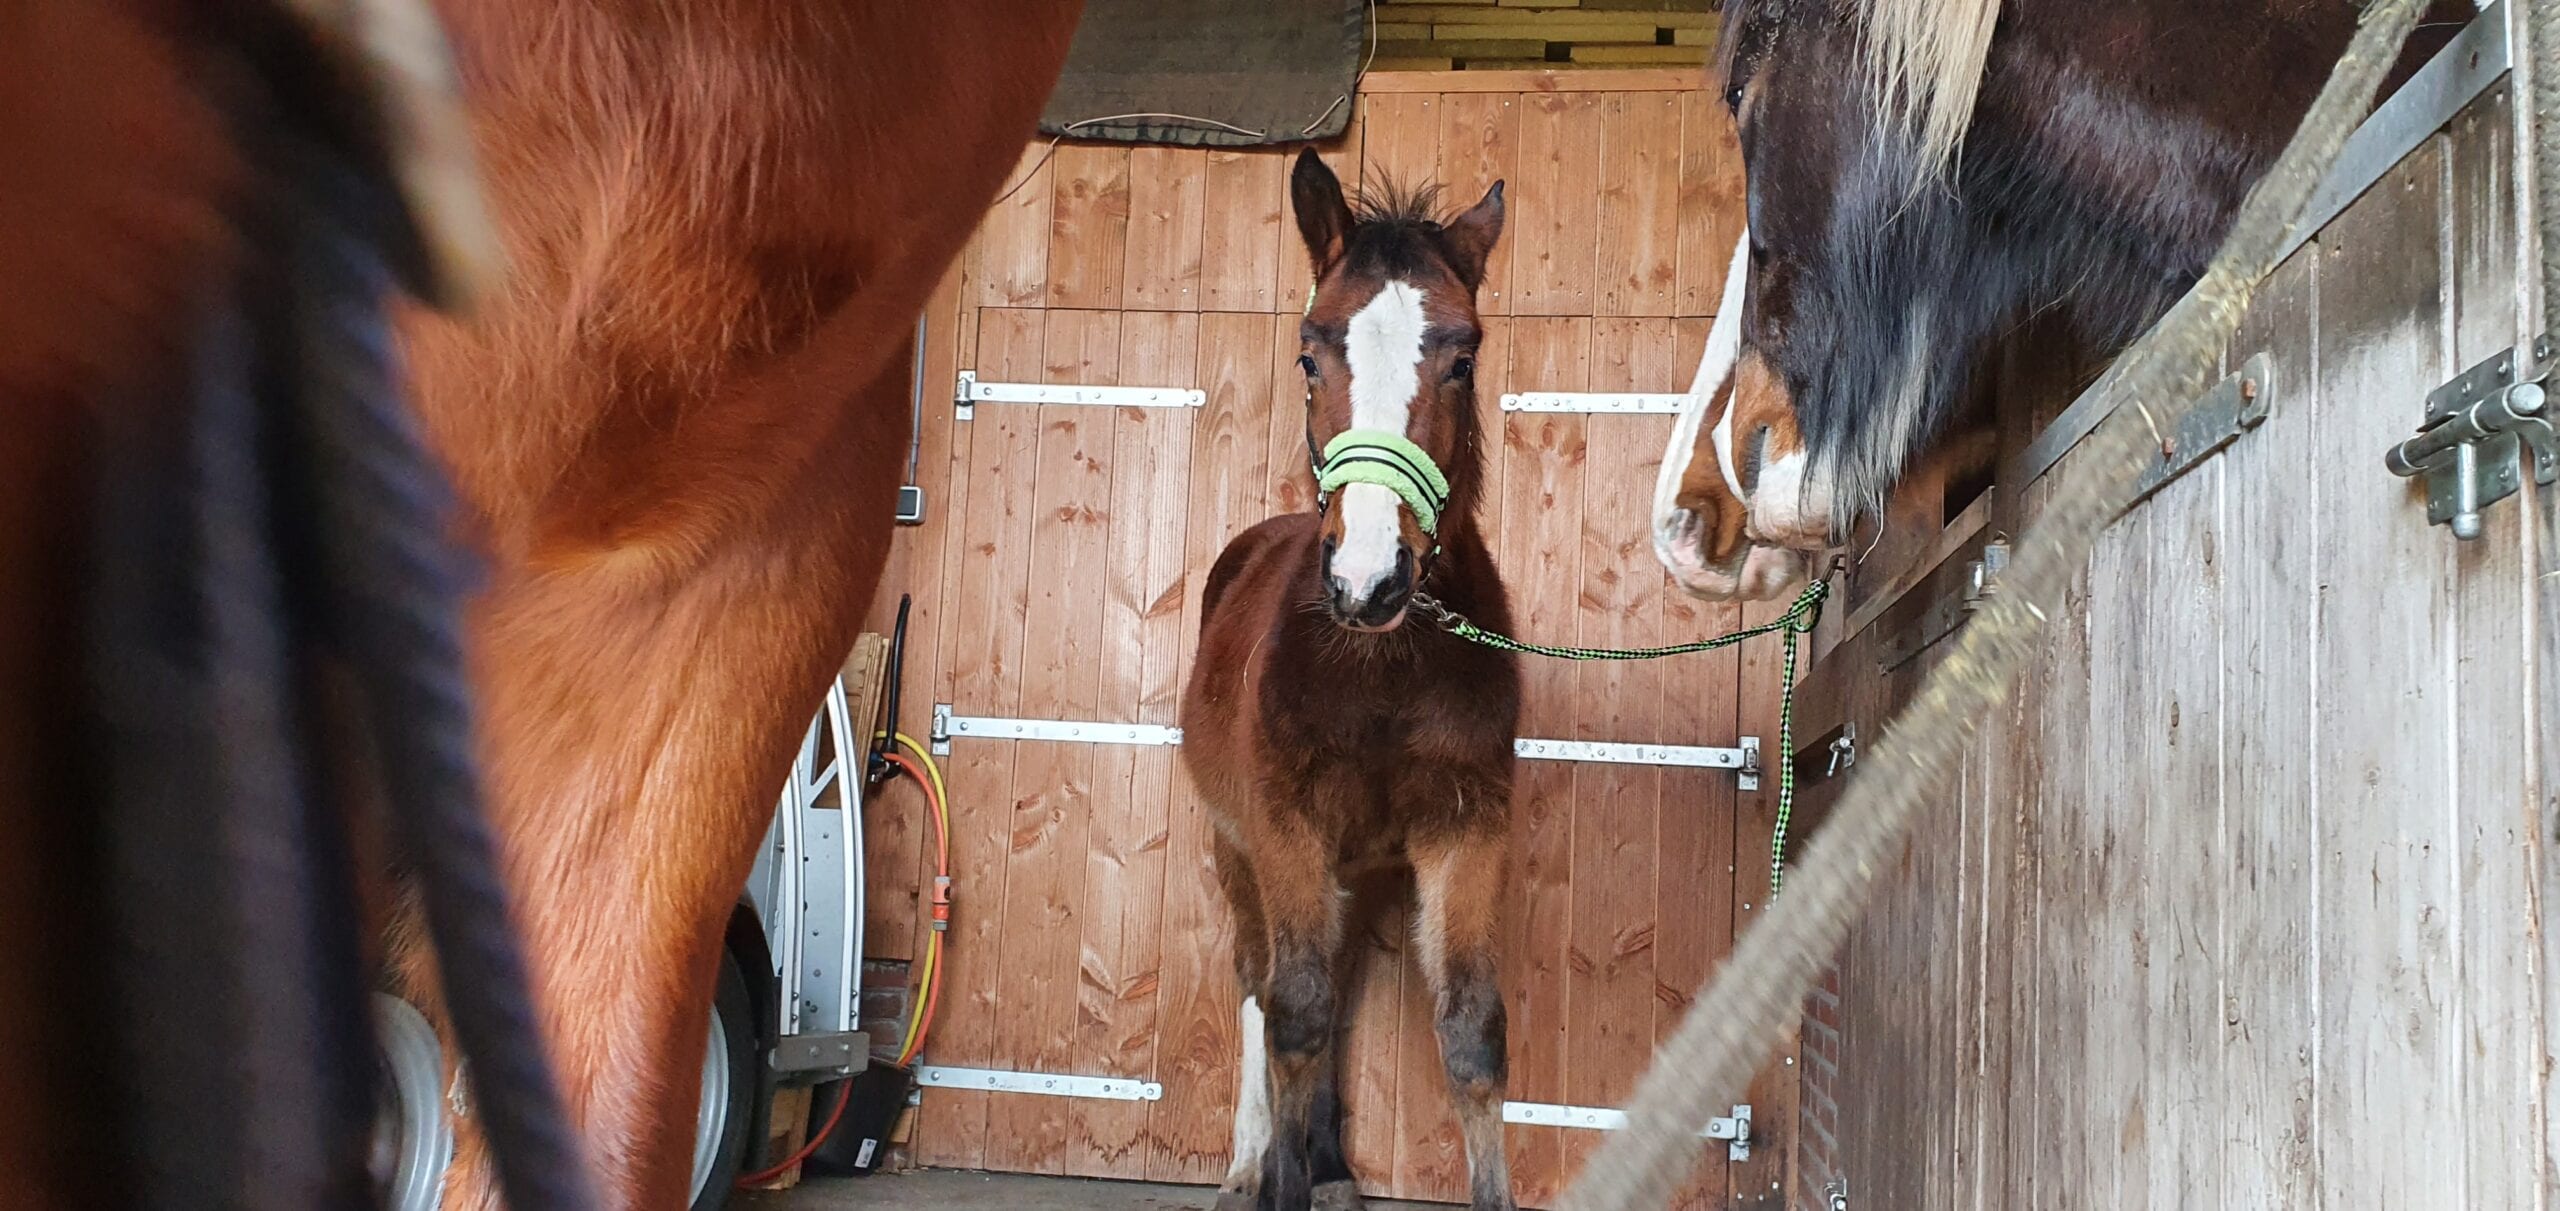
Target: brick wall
1495	35
1817	1110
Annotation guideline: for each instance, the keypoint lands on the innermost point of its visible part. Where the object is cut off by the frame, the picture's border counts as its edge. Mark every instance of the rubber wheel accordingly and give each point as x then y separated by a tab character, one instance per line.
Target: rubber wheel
412	1140
727	1106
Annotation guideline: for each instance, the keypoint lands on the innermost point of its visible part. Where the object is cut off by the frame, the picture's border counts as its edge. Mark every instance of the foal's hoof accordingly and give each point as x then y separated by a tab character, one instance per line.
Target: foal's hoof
1236	1200
1336	1196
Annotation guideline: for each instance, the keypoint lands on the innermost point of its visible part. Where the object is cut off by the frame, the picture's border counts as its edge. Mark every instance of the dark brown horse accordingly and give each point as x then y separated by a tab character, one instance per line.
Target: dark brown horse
1325	733
1923	174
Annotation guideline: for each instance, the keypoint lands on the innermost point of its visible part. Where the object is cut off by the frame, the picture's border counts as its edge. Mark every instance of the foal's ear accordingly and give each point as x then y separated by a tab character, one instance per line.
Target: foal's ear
1323	217
1471	235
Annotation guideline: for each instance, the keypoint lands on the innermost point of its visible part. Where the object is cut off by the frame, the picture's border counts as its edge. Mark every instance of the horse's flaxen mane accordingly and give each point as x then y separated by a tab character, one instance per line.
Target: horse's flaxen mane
1924	61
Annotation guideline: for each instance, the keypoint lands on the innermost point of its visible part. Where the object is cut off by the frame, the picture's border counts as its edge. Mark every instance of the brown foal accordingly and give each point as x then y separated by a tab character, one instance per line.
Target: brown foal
1326	733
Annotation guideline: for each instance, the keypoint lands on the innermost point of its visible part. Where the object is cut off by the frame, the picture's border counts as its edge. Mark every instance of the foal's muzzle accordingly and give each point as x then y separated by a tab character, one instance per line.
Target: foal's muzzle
1379	606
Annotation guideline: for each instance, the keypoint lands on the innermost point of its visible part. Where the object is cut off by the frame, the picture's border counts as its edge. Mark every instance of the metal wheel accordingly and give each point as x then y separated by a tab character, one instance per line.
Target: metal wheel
412	1141
721	1118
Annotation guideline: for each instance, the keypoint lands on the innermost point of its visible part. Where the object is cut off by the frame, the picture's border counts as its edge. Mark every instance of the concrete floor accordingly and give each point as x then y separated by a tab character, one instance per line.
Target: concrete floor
951	1190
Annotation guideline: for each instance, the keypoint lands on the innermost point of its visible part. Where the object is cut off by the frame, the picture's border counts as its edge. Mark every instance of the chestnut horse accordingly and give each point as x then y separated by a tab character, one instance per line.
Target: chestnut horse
1923	174
1324	733
675	424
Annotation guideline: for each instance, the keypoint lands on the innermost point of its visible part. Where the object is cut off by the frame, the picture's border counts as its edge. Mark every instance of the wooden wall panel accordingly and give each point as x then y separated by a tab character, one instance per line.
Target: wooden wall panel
2238	903
1058	576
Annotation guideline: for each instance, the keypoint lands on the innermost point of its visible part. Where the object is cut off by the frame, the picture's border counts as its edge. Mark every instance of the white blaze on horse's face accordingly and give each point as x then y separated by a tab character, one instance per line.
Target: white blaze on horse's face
1683	534
1383	345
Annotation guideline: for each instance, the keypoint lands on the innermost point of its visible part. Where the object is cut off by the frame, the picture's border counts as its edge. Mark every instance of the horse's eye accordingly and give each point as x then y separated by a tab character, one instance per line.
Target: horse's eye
1733	98
1464	367
1307	363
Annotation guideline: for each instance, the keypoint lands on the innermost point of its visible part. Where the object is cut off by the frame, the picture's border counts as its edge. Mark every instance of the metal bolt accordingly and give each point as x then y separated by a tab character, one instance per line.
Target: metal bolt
2249	388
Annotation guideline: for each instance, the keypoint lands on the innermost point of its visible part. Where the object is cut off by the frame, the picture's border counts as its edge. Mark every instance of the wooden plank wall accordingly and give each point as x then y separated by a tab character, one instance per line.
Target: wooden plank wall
2240	902
1057	576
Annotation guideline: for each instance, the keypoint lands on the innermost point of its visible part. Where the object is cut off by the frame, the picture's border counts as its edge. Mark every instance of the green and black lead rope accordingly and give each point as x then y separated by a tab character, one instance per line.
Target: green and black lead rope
1797	621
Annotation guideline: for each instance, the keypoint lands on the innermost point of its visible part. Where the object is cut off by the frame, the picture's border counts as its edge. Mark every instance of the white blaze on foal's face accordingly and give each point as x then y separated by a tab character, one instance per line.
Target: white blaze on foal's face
1383	347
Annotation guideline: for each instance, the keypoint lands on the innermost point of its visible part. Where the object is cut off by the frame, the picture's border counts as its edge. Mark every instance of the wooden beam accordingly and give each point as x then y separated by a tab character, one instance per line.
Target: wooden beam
1659	79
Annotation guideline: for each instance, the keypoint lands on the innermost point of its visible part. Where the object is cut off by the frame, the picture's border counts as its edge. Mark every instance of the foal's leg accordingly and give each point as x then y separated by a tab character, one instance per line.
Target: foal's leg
1459	877
1253	1071
1302	914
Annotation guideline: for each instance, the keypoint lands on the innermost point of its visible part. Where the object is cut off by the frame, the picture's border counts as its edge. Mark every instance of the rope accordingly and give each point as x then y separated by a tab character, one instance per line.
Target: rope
397	593
1747	1007
1797	621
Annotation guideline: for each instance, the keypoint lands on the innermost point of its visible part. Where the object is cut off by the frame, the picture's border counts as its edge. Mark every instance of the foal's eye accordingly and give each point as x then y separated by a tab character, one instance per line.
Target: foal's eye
1307	362
1733	97
1464	367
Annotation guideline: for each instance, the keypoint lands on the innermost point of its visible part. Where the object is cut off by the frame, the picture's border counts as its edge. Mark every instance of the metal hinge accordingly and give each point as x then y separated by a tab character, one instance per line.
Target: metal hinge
970	393
1735	1130
2470	451
1046	1084
989	727
1642	402
1981	583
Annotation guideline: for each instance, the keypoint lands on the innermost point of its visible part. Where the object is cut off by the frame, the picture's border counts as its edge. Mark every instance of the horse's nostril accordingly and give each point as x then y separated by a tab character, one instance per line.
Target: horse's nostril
1754	454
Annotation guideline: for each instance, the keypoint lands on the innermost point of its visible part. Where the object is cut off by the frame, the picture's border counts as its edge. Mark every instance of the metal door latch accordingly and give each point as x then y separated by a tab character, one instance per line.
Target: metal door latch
2479	430
1844	750
1736	1129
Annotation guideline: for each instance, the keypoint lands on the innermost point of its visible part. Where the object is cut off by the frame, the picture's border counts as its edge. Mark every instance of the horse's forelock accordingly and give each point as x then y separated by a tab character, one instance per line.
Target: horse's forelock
1924	61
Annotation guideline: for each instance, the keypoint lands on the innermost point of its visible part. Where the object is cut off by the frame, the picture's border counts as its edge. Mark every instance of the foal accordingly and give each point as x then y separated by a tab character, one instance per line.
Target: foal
1324	733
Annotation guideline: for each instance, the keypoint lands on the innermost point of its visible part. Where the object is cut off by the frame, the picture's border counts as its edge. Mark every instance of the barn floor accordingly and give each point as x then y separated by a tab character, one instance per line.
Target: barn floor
951	1190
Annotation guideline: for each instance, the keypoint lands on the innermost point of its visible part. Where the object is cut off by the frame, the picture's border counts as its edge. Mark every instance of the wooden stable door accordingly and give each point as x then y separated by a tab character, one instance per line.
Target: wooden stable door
1057	577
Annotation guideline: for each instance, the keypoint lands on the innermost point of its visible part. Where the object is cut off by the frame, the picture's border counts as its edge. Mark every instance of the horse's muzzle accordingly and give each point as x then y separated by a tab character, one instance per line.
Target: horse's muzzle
1379	606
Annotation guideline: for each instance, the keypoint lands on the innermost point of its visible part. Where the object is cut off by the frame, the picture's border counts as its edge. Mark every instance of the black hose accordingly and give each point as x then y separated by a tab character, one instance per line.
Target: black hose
881	770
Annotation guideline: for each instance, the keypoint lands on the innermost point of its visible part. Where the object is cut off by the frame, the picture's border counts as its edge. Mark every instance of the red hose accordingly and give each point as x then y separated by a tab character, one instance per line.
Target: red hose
817	1139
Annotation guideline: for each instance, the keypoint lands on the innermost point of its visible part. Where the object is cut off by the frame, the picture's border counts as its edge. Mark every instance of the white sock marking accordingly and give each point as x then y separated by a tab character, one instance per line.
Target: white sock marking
1253	1098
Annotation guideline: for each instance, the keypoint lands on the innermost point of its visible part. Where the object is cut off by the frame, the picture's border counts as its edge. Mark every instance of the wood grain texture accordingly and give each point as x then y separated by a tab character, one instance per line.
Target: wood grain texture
1123	888
1167	192
2269	1033
1657	79
1479	145
1009	257
2384	826
1088	225
988	583
1542	456
2498	843
1051	799
1711	202
1552	258
1244	217
1637	239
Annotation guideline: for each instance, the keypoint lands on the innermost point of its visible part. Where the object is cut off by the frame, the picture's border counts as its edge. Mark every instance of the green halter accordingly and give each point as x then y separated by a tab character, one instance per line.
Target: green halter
1391	461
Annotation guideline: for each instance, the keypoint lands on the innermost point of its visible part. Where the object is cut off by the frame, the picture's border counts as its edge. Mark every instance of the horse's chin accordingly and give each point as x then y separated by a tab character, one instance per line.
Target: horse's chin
1373	628
1754	573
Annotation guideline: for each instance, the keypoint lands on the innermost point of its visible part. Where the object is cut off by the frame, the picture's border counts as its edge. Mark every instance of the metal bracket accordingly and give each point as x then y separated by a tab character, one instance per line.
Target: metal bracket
988	727
2470	450
2217	418
1749	778
1981	582
1844	749
1046	1084
844	1049
970	393
1652	403
1612	753
1736	1130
